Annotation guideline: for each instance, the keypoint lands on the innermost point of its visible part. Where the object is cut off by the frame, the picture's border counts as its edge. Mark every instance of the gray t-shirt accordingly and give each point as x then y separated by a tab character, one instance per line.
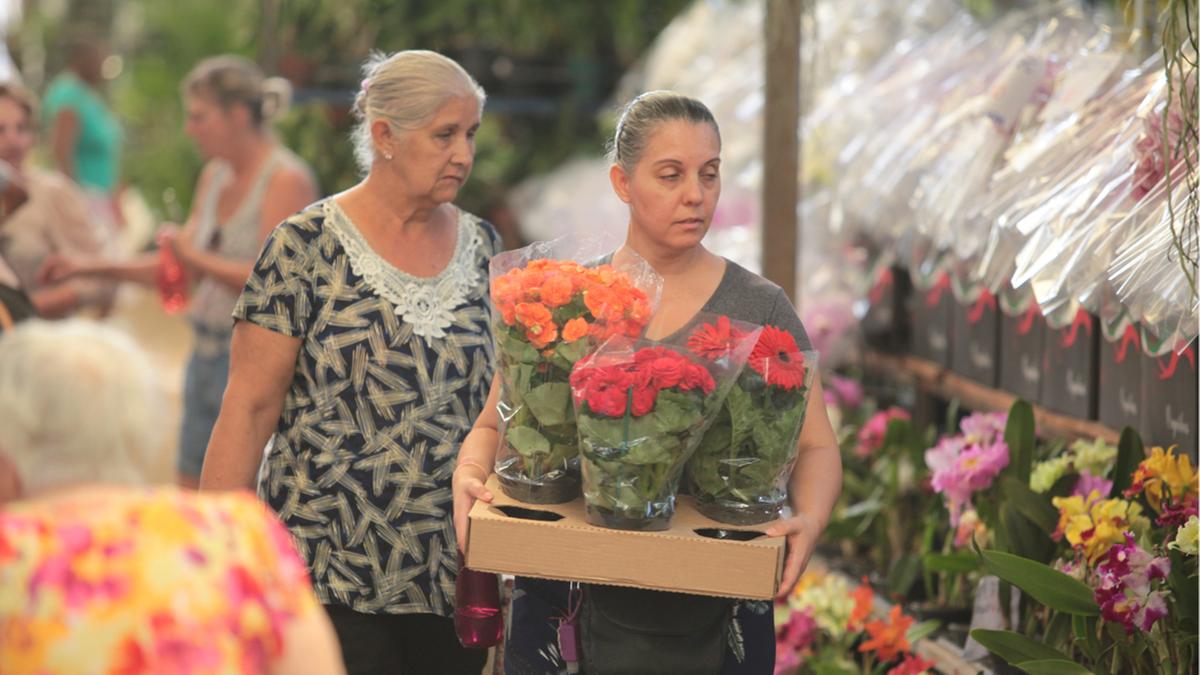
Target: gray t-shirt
745	296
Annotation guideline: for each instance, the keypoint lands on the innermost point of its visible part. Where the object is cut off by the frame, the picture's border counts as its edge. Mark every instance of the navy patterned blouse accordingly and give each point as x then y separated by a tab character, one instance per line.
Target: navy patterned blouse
392	371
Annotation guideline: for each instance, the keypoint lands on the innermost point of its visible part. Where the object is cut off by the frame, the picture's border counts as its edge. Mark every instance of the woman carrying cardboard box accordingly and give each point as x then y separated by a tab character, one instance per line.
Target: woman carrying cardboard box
666	167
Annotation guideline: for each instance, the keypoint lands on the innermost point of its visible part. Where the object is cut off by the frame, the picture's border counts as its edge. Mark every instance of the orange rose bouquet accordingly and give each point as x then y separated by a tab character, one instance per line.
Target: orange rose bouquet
549	314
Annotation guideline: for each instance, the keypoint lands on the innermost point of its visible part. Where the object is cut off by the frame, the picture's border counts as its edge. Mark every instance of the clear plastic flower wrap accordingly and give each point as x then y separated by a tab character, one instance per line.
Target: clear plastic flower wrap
1041	174
1097	211
642	408
550	311
1149	278
910	101
740	472
1034	90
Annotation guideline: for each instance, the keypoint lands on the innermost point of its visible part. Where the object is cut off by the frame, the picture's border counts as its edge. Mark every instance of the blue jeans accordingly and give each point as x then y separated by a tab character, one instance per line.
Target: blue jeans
203	386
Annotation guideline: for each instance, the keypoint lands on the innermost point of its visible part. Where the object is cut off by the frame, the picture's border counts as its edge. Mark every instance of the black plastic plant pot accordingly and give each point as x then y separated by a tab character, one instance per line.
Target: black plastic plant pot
737	513
559	488
614	520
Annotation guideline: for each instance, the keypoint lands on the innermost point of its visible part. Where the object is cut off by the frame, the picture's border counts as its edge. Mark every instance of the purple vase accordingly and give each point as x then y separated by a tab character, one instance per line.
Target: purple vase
477	619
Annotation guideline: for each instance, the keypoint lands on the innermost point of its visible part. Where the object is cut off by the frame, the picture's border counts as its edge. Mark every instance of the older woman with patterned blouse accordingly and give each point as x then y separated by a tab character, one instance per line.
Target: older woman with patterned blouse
362	354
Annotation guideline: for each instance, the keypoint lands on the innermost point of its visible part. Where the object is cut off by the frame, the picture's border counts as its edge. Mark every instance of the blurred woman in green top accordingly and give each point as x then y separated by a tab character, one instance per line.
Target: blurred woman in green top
85	137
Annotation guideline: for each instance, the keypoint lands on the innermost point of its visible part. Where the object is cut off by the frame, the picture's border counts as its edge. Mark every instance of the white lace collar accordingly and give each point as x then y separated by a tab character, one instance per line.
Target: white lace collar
425	303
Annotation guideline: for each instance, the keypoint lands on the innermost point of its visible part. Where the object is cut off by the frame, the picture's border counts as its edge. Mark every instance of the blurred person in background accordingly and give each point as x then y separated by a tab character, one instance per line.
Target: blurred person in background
101	573
250	183
15	305
53	219
363	351
84	134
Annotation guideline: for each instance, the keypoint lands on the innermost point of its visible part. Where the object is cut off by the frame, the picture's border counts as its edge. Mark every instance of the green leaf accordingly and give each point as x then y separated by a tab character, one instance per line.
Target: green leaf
840	529
527	441
1130	453
674	413
652	450
1183	585
951	563
1053	667
869	506
517	350
744	416
903	575
1084	628
568	353
1024	538
922	630
1047	585
550	403
1014	647
1019	436
518	379
1028	503
1058	630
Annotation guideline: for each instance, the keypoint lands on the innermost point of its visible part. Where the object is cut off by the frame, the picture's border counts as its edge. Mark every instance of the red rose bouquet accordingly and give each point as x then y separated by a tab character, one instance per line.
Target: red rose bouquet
740	471
642	409
548	314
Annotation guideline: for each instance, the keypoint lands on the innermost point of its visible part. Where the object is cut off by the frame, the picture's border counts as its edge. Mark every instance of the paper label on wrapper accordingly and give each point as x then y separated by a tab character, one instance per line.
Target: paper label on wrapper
987	614
1080	83
1013	89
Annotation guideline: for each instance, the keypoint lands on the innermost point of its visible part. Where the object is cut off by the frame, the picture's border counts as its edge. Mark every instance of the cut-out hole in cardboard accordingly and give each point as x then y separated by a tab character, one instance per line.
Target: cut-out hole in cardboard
736	535
529	514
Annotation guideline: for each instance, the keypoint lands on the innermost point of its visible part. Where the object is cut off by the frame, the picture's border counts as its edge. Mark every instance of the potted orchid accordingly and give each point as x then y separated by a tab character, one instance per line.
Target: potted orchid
1125	586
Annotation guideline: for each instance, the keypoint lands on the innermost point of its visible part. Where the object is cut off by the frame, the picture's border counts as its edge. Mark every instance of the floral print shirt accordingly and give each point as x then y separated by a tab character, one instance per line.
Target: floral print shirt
146	581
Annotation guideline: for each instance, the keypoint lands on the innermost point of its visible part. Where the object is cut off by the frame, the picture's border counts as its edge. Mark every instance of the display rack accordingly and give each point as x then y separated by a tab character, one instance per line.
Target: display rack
932	379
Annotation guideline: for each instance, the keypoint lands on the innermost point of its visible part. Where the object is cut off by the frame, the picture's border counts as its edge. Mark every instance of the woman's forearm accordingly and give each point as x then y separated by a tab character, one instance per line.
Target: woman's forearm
816	484
142	269
54	302
230	273
235	449
479	447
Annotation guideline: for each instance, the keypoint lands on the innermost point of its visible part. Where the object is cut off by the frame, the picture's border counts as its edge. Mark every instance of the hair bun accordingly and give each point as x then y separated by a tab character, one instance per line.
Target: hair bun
276	97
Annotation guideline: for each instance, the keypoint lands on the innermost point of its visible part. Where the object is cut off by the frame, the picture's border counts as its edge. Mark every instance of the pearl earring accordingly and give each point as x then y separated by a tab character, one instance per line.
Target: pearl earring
387	156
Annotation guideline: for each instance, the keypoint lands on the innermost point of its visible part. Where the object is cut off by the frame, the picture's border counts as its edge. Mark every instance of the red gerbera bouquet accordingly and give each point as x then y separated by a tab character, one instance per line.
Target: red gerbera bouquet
549	313
739	473
641	411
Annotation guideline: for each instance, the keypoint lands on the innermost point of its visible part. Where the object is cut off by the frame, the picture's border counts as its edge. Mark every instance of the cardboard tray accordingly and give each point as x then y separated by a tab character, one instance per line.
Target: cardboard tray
564	546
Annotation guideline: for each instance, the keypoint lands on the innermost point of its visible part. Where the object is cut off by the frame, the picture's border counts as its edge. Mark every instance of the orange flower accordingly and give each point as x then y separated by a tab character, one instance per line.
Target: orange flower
533	314
605	275
505	287
602	303
541	335
639	309
864	600
527	296
888	638
508	313
912	665
557	290
575	329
